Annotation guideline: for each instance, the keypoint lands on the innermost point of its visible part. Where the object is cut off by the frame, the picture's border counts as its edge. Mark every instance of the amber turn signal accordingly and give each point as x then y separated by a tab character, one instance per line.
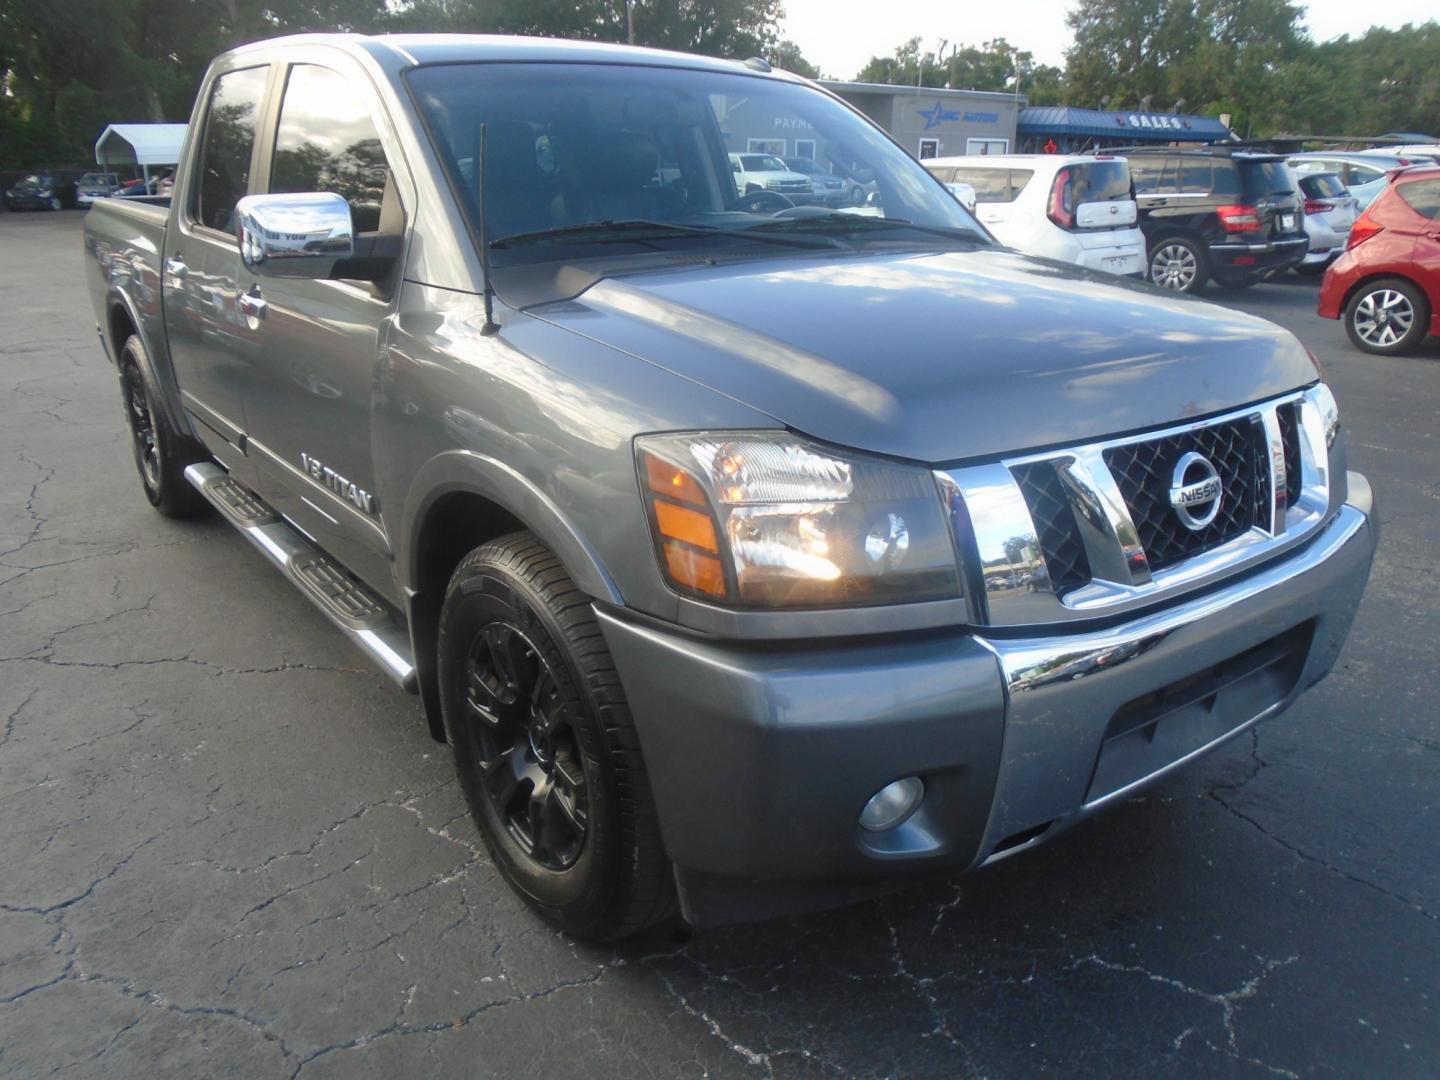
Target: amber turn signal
680	514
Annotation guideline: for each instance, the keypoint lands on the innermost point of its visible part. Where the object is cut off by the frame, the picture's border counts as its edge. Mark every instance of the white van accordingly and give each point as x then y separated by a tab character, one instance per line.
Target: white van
1077	209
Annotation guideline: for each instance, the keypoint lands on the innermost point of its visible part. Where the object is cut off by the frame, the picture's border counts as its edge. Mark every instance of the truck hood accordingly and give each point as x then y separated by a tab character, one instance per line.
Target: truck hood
936	357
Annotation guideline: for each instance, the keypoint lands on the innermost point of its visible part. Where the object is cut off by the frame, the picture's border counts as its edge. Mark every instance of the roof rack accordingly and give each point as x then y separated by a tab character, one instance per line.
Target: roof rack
1228	149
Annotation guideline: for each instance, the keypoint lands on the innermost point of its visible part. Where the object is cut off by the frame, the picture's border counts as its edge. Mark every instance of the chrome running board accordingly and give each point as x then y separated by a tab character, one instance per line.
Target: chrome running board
356	612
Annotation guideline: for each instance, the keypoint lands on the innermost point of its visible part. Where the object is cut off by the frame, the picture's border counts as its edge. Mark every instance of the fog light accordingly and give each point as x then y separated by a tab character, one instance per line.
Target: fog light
892	804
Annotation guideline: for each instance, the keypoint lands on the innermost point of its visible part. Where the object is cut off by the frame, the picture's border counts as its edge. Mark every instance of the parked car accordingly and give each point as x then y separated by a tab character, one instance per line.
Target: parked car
1076	209
1386	287
766	172
1231	216
828	189
95	185
681	517
1416	153
1329	213
38	191
1362	172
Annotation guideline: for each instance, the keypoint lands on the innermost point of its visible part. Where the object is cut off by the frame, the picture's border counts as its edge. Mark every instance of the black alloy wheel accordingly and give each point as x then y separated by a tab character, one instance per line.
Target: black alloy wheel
528	752
545	746
161	453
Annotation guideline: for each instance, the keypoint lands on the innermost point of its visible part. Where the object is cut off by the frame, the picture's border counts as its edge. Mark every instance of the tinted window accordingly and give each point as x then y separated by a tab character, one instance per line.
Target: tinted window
1194	176
1103	181
1322	186
1265	178
229	137
326	141
1226	179
1150	176
1364	174
1423	196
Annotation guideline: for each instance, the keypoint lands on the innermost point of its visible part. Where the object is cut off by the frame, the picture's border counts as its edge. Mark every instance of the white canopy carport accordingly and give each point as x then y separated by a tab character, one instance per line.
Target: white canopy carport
140	144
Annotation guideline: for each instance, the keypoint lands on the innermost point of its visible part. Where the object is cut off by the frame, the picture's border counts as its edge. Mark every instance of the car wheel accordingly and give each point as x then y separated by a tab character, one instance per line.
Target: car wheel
544	744
1179	264
161	453
1386	316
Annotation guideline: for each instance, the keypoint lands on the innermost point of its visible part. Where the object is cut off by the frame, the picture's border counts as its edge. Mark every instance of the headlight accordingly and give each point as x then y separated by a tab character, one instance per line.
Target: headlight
772	520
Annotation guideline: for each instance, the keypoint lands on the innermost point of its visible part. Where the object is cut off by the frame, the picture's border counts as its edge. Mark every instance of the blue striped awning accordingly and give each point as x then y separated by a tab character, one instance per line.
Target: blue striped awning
1120	125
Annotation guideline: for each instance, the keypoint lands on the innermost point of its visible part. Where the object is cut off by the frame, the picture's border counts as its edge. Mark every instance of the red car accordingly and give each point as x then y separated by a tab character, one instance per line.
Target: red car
1387	284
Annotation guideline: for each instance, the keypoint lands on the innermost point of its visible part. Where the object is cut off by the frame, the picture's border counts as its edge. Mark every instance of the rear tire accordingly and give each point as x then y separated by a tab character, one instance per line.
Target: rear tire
1177	263
161	453
545	746
1387	316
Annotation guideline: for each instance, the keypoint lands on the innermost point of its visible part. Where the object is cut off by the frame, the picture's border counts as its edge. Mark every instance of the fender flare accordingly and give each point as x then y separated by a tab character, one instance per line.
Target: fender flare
477	474
161	375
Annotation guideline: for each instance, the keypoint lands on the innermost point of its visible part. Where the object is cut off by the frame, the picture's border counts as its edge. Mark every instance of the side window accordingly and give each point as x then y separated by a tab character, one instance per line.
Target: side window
230	119
326	141
1423	196
1364	174
1226	180
1194	177
991	185
1148	173
944	174
1019	178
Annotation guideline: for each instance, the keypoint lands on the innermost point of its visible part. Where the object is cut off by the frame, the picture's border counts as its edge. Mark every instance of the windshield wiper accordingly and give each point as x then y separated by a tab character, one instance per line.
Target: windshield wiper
601	230
639	230
858	223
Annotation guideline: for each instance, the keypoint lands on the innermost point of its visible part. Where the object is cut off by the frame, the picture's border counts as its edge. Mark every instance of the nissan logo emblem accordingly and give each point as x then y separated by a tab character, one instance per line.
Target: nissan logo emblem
1195	491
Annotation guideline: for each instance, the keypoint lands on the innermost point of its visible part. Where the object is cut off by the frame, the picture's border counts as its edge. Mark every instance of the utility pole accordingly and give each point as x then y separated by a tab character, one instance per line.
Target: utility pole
630	22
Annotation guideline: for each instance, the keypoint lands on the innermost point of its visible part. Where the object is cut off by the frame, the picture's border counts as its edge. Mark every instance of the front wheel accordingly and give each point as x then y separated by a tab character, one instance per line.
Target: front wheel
544	744
1178	264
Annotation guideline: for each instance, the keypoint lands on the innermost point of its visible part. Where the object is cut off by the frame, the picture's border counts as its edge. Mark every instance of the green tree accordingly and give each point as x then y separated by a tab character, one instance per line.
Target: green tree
787	57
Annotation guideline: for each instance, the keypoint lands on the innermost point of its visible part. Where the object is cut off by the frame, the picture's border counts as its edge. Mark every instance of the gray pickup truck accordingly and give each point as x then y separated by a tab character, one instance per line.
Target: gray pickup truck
750	556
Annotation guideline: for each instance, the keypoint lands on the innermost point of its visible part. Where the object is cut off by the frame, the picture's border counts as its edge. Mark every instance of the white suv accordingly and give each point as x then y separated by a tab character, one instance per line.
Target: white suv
1075	209
766	172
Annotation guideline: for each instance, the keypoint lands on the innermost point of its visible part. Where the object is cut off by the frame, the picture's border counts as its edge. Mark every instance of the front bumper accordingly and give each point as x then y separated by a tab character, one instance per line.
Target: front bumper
761	759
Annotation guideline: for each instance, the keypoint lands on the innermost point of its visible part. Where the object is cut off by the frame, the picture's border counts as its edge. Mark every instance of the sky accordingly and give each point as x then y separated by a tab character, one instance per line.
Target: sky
840	43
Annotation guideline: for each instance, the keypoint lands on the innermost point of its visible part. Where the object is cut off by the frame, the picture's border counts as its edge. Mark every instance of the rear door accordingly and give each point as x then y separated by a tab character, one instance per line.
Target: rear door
211	349
317	343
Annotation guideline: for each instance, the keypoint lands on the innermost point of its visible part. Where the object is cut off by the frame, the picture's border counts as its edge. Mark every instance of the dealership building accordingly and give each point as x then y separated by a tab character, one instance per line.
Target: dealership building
938	123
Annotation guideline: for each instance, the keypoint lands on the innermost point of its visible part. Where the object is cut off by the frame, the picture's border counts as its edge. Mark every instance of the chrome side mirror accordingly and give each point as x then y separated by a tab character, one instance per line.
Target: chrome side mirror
300	236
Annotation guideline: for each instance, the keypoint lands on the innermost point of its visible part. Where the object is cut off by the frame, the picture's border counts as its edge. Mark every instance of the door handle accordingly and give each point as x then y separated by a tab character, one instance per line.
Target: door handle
252	304
175	267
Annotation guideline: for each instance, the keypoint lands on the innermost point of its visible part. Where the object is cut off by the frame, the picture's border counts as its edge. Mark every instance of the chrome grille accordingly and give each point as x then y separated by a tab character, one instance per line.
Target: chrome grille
1144	472
1055	526
1290	437
1098	515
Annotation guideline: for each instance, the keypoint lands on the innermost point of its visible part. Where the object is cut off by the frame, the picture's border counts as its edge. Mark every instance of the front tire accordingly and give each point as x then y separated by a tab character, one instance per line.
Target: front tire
1178	264
161	453
545	746
1386	317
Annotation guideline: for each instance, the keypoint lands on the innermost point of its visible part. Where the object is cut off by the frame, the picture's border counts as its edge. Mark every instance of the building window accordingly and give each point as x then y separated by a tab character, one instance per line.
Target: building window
805	148
929	148
987	146
765	146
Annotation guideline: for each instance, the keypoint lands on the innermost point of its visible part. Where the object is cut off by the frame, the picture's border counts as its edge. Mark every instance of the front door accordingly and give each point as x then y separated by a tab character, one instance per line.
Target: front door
210	346
318	341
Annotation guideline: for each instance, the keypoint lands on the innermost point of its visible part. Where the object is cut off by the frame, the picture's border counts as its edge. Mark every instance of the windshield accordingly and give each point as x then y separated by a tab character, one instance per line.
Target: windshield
94	178
571	146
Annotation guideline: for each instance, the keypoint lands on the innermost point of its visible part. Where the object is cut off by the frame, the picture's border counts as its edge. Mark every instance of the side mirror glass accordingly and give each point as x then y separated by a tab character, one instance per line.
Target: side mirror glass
300	236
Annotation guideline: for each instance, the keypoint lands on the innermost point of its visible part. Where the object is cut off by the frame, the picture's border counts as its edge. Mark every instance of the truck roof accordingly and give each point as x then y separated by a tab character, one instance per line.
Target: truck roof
459	48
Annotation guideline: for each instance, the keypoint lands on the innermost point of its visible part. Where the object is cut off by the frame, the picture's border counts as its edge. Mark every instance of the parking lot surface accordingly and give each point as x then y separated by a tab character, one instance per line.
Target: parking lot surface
228	847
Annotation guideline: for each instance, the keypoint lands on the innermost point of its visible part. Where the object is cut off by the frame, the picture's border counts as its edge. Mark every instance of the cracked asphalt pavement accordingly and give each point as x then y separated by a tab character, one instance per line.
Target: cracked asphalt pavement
229	847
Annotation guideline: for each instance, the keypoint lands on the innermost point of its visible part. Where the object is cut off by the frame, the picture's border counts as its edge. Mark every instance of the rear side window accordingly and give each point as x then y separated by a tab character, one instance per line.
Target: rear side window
1364	174
1150	176
1422	196
1195	176
326	141
1322	186
230	120
994	185
1103	181
1226	180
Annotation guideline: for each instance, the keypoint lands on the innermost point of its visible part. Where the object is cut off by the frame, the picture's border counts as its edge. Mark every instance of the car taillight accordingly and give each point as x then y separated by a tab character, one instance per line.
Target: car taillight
1061	210
1364	228
1318	206
1239	218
